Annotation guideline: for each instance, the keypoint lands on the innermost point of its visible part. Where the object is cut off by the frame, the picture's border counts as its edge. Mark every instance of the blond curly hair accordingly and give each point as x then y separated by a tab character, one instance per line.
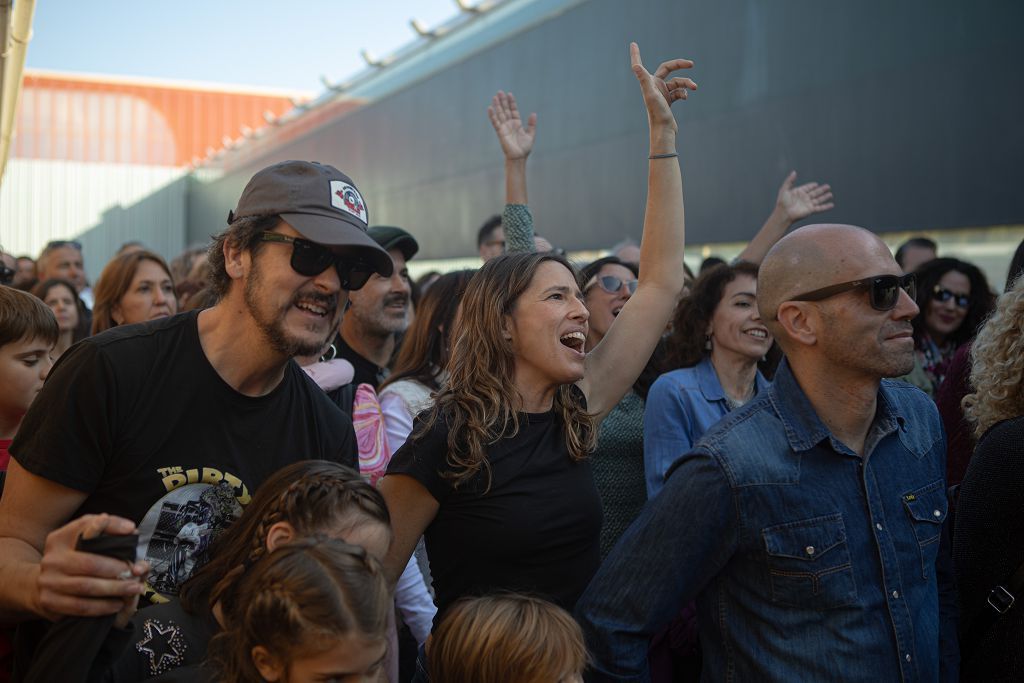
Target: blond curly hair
997	364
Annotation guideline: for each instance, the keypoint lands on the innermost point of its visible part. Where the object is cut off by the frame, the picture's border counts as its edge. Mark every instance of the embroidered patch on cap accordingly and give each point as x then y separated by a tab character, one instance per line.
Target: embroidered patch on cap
347	198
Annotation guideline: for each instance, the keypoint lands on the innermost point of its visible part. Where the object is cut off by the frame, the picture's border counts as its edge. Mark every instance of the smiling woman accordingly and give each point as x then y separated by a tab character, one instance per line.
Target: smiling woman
133	288
717	340
954	298
495	474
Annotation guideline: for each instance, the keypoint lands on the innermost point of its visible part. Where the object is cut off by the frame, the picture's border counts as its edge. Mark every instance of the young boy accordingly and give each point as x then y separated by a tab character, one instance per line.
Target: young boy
28	332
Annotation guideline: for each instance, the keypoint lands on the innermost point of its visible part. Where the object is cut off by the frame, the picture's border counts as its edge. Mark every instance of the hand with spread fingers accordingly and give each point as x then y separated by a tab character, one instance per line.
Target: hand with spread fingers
516	140
803	200
659	91
76	583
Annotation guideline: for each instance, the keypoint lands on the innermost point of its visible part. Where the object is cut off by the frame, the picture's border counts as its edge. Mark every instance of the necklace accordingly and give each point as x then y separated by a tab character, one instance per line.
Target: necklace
736	403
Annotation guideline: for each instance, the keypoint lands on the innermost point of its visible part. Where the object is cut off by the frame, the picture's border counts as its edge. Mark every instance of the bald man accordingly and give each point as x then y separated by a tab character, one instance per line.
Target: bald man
807	523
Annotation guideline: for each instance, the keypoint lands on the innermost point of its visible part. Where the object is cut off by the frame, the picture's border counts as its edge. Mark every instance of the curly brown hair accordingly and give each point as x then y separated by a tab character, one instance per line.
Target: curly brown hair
686	344
479	402
242	232
997	364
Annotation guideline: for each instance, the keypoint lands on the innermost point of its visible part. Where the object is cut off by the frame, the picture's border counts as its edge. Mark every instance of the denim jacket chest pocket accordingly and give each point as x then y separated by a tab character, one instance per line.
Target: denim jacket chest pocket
927	508
809	563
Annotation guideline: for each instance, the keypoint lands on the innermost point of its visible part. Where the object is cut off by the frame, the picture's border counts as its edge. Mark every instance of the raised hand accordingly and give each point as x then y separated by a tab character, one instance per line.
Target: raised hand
659	93
803	200
516	141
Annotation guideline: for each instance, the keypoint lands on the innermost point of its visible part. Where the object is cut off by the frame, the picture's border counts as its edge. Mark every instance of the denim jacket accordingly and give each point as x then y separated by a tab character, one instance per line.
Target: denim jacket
681	406
807	562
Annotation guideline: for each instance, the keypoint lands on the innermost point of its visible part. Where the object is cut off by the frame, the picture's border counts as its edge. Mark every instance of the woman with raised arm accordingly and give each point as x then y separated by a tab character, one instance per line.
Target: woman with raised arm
495	474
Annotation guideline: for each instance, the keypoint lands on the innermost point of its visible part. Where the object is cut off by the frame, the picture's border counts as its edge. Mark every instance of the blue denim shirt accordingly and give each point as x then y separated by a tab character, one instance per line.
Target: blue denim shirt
681	406
808	562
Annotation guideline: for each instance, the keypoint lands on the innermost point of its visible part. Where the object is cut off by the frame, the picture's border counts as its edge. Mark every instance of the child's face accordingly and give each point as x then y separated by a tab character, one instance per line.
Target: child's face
348	659
23	367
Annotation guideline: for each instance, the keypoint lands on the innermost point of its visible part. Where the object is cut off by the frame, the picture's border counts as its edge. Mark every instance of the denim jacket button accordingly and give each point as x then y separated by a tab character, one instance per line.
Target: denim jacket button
896	595
809	550
878	526
937	513
907	657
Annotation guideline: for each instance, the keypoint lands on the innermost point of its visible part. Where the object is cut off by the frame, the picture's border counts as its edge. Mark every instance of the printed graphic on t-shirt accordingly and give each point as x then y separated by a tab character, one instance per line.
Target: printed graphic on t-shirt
176	533
162	645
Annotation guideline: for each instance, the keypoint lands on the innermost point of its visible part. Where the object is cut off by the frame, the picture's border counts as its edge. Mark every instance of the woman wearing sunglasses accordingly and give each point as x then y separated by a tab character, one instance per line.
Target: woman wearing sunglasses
954	299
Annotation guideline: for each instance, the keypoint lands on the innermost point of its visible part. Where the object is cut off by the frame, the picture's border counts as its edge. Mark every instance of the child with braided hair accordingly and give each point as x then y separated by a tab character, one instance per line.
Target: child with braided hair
311	498
311	610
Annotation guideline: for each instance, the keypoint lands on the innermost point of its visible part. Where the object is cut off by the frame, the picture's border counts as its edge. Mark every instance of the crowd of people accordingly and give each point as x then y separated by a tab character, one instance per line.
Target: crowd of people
279	458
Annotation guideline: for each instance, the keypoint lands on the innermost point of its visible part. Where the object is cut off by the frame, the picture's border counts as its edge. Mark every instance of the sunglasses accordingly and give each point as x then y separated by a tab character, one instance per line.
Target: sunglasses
943	295
311	259
884	289
612	284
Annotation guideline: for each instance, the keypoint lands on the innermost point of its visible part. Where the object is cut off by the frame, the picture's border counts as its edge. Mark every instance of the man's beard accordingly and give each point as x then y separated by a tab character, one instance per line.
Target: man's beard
383	321
273	329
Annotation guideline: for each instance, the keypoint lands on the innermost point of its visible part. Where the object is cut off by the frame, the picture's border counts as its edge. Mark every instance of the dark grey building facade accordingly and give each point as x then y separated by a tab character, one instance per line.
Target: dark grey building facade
911	110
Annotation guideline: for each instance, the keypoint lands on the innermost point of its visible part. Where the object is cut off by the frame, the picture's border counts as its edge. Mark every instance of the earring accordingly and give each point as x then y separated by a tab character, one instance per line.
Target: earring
707	342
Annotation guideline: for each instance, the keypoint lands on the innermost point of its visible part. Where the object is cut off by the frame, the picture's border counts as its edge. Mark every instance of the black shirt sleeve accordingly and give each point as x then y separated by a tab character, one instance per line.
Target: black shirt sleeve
68	434
424	459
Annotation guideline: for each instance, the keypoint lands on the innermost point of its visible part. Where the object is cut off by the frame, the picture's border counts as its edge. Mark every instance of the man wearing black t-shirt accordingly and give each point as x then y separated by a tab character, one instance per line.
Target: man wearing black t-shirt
379	312
166	428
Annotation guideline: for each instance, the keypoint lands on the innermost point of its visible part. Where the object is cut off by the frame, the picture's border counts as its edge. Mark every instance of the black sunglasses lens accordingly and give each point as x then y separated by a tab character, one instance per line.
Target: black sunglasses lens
353	275
909	284
310	259
885	292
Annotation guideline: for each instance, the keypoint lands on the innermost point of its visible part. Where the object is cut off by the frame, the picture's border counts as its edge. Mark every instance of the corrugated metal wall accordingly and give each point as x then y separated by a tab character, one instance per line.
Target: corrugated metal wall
101	205
911	110
103	160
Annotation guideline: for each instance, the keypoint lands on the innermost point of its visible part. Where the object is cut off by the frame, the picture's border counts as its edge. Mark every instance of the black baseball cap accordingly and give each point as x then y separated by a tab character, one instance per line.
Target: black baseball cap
320	202
389	237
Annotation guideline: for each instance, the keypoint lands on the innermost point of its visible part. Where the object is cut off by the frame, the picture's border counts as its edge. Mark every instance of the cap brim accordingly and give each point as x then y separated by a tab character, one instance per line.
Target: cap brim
338	232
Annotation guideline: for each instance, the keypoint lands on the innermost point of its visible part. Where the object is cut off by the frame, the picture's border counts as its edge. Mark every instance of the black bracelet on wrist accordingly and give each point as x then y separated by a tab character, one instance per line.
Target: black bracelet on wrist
663	156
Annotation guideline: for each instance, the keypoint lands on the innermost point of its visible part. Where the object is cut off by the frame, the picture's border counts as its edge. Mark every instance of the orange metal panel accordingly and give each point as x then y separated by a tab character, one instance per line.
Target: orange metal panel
196	117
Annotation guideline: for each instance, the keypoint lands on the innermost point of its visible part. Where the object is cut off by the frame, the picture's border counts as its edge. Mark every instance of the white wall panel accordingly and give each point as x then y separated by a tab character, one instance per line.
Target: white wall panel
101	205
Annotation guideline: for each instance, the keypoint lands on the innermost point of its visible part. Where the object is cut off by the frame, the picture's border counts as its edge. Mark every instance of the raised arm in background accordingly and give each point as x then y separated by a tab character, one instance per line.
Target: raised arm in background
516	144
615	363
791	205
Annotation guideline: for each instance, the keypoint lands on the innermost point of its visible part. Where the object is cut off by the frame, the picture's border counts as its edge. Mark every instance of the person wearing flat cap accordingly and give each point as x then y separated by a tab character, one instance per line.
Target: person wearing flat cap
153	427
379	312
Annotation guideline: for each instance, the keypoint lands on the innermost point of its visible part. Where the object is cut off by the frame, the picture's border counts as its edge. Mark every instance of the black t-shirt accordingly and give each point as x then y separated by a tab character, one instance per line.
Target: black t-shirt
536	530
366	371
138	419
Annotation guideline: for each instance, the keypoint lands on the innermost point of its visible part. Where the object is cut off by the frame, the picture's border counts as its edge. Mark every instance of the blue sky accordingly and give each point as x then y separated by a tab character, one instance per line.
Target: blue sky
257	42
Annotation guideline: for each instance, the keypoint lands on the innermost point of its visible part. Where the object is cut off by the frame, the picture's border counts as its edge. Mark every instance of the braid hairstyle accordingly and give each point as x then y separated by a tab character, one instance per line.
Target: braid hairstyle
311	495
300	599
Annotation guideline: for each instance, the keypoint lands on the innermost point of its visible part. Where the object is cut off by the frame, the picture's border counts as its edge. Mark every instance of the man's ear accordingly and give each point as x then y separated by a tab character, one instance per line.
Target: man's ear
268	665
279	534
235	259
800	321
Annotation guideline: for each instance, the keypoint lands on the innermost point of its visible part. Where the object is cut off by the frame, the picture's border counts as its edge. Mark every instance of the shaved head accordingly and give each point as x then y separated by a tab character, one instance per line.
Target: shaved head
813	257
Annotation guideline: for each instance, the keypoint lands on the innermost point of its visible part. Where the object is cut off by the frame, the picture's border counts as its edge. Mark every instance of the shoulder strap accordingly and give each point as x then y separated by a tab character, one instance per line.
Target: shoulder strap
999	601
